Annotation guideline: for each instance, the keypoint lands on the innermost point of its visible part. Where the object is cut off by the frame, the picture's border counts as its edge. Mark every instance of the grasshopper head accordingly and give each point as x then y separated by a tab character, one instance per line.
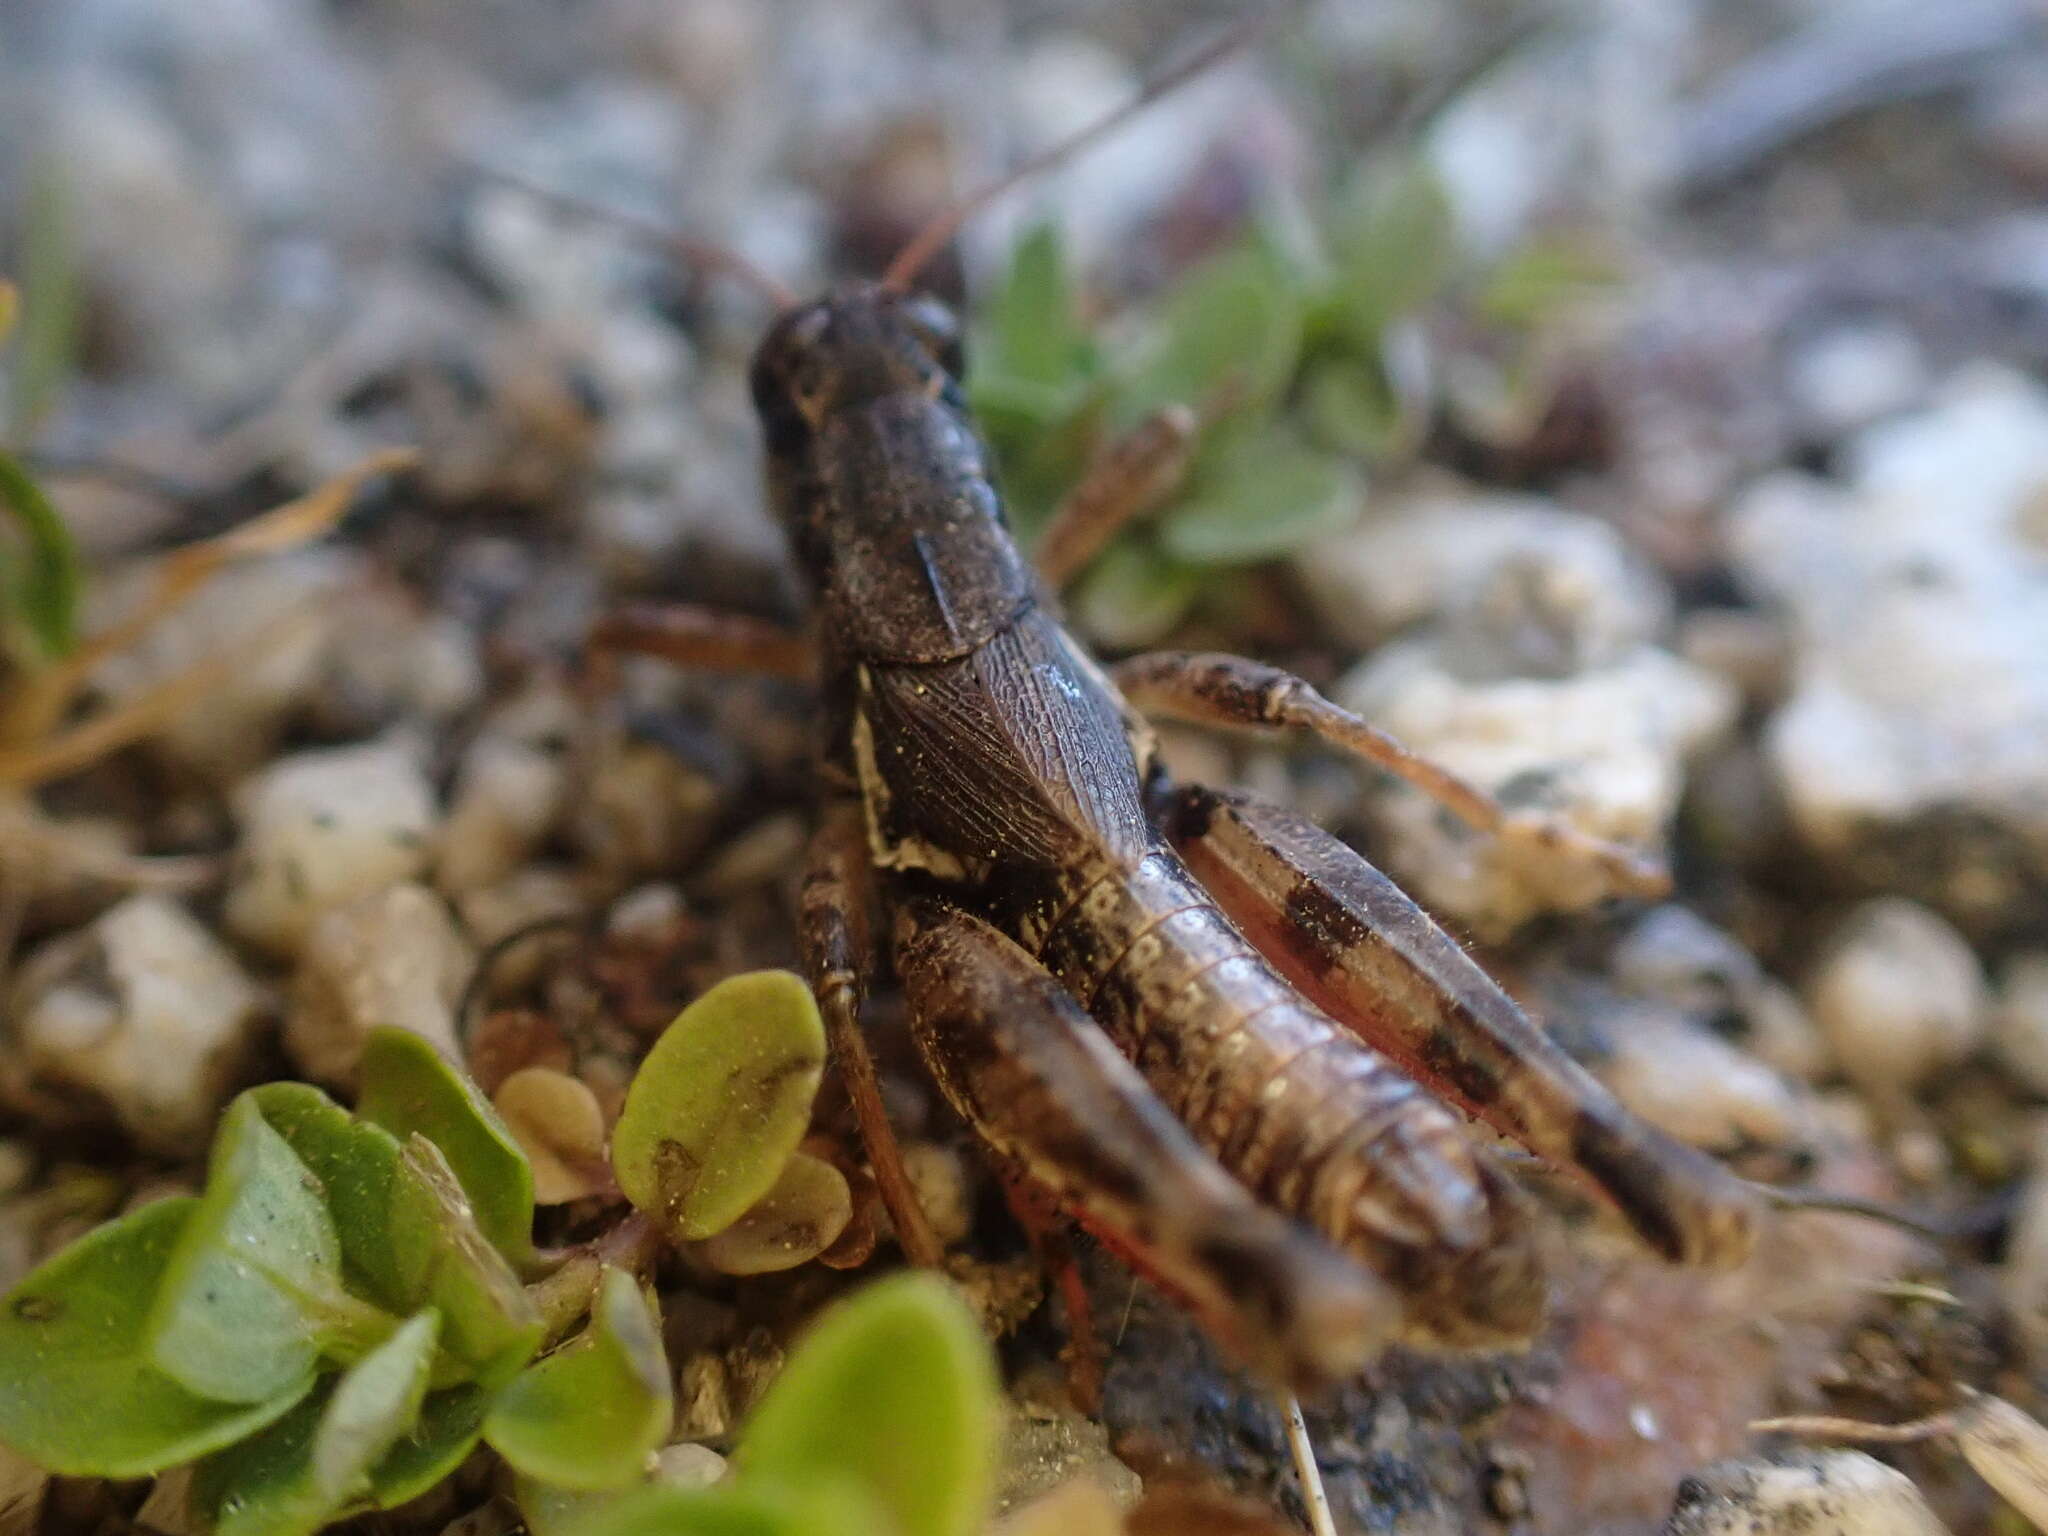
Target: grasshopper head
857	344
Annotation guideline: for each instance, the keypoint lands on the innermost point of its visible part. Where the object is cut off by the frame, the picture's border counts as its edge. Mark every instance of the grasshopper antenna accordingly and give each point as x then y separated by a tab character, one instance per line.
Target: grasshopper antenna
702	254
929	241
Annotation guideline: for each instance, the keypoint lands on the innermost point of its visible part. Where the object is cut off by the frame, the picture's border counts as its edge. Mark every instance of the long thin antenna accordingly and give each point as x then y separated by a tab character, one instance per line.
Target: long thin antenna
698	253
930	240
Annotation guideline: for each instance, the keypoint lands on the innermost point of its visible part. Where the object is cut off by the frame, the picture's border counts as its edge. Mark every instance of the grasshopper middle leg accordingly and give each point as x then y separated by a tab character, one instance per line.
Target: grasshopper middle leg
1351	941
1210	689
838	955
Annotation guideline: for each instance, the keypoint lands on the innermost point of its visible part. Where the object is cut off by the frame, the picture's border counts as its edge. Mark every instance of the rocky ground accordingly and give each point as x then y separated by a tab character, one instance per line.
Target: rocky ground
1743	559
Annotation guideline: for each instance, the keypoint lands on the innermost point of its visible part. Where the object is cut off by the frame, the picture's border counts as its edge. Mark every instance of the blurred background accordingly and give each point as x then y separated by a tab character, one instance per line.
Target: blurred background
1636	404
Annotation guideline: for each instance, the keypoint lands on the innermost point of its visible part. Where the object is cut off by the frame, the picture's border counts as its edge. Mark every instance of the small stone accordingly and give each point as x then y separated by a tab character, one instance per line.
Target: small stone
1606	750
1802	1493
323	828
145	1011
1046	1445
507	797
2020	1020
2023	1278
275	621
687	1465
1413	556
1696	1086
393	957
704	1408
938	1175
641	810
1851	375
1908	751
649	914
1898	995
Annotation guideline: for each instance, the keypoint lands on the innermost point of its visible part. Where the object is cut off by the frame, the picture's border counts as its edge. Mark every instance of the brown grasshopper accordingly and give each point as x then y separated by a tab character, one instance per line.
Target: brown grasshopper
1198	1024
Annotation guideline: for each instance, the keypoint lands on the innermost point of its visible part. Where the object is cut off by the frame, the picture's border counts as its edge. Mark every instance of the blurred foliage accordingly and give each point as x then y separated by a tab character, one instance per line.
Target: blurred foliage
40	575
1300	364
883	1423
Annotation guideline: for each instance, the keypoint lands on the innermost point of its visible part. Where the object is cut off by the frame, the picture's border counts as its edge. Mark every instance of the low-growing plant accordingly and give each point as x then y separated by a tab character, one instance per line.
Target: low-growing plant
354	1301
1294	355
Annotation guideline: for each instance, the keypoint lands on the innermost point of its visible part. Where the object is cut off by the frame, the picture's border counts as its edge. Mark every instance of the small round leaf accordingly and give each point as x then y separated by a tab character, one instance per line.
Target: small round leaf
720	1103
894	1390
792	1224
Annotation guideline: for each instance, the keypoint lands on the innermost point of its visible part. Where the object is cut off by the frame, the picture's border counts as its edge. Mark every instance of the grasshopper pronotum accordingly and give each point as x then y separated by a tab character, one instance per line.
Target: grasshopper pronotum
1199	1025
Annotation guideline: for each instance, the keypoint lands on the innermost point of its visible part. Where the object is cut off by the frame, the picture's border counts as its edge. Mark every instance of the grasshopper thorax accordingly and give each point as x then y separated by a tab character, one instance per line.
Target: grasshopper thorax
882	480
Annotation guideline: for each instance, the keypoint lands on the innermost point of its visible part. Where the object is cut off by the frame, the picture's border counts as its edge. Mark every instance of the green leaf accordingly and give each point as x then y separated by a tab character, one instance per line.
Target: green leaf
438	1254
407	1087
44	593
409	1239
1396	245
805	1508
316	1462
589	1415
792	1224
1233	327
10	309
1031	331
1132	594
1260	495
895	1390
357	1165
77	1393
449	1425
252	1293
720	1103
1348	406
1542	276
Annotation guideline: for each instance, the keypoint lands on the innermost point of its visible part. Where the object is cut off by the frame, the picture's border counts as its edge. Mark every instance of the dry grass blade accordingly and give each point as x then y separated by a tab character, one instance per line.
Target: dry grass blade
1304	1451
2009	1450
45	697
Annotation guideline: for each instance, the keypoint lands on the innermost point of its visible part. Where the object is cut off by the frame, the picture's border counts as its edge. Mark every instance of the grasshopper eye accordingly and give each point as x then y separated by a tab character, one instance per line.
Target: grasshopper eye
937	330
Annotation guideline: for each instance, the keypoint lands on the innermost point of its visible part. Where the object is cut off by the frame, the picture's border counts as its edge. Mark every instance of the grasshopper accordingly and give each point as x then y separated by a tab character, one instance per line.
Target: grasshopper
1199	1025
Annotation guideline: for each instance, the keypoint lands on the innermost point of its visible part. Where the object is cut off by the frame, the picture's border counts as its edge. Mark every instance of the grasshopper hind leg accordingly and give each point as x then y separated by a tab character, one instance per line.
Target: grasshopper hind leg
1053	1099
1348	938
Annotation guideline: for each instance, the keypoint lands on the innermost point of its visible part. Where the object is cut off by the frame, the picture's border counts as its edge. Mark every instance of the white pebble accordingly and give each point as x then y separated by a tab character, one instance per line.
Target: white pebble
2020	1021
322	828
1697	1087
1802	1493
146	1011
687	1465
393	957
507	797
1898	995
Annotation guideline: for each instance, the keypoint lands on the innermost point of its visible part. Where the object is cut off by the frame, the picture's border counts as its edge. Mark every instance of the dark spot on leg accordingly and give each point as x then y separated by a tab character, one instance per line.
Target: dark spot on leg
1633	1182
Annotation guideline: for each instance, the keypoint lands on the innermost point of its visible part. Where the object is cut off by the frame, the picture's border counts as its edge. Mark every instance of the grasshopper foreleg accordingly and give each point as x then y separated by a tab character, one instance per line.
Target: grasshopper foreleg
1048	1093
839	957
1210	689
1348	938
